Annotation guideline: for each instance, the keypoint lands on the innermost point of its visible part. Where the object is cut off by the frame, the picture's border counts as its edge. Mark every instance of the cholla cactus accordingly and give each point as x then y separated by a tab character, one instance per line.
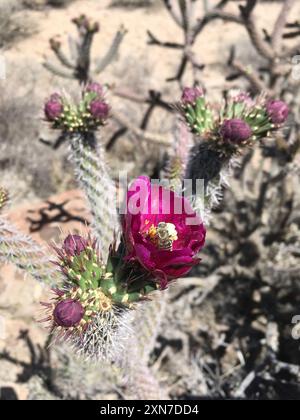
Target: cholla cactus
152	252
101	283
90	308
147	258
79	65
176	167
25	253
3	197
222	134
87	116
95	304
94	300
184	15
78	123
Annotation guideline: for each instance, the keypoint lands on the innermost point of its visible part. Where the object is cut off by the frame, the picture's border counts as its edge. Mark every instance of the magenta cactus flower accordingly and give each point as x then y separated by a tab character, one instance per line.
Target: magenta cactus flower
235	130
74	245
190	95
54	107
99	109
278	111
96	88
68	313
164	234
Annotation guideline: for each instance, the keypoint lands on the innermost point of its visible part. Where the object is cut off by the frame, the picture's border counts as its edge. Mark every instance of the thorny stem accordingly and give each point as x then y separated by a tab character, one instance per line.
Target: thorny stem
92	173
26	254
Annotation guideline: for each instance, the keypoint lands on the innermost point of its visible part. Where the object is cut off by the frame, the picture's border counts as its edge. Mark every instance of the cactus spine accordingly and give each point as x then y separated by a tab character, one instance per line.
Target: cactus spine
26	254
92	173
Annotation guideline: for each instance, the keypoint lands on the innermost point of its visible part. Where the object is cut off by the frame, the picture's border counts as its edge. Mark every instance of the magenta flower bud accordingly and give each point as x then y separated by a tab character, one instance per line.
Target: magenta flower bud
74	245
278	111
68	313
54	107
99	109
235	130
190	95
94	88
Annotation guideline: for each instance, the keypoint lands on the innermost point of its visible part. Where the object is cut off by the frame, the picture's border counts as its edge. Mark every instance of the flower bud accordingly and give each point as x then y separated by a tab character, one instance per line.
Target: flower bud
190	95
94	87
99	109
235	130
68	313
243	98
74	245
278	111
54	107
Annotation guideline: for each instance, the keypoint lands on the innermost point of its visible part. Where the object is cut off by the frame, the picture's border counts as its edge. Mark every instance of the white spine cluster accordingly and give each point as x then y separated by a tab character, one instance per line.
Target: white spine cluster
26	254
92	173
106	337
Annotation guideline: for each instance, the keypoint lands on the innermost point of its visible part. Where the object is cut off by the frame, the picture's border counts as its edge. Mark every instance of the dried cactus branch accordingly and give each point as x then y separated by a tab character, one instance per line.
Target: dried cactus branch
80	60
144	135
58	72
171	7
261	46
73	48
216	14
65	61
280	24
251	75
153	97
153	40
102	63
290	52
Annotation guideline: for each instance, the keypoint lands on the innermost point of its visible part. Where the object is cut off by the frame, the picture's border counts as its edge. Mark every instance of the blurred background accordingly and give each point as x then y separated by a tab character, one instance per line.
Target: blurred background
231	329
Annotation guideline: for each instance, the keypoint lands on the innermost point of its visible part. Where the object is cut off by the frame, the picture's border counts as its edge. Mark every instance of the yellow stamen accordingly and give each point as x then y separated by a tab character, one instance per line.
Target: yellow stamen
163	235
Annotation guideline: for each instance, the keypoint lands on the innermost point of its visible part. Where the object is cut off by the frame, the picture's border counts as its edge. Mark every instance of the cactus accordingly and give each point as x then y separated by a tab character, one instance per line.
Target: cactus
93	306
222	134
79	65
89	162
183	13
25	253
175	169
119	286
22	250
103	285
78	123
3	198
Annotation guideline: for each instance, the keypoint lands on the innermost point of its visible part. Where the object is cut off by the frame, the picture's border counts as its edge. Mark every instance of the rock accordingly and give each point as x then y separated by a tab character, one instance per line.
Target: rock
53	218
